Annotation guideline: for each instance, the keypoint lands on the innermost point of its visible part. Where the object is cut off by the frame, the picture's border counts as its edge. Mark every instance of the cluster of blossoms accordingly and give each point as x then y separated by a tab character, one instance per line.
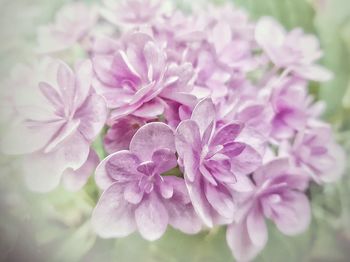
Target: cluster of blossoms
206	120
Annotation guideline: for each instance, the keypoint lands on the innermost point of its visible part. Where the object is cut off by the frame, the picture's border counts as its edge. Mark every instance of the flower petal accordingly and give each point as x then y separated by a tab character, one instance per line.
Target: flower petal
122	166
238	239
150	138
151	217
165	160
204	114
75	180
93	114
113	216
187	137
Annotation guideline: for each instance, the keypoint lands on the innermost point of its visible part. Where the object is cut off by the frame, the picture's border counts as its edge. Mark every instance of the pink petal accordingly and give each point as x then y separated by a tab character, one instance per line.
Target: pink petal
122	166
166	189
150	109
181	213
191	165
238	239
66	83
73	152
187	137
132	193
204	114
315	73
75	180
165	160
113	216
102	67
102	179
199	200
267	27
257	228
246	162
92	114
293	215
221	200
67	130
150	138
227	133
20	138
84	75
151	217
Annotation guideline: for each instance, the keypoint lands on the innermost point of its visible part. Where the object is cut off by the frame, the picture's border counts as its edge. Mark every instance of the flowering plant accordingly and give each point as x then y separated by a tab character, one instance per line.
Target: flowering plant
206	120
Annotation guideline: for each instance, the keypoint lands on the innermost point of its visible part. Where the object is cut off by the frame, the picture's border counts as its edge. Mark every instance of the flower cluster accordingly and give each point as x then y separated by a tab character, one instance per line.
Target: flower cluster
206	119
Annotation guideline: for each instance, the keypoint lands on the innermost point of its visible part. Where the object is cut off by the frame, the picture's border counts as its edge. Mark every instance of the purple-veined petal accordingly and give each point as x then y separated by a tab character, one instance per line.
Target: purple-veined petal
165	159
204	114
227	133
187	137
122	166
150	138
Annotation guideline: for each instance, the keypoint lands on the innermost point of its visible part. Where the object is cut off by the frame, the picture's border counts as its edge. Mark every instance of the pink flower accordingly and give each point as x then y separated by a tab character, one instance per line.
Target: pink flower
213	158
136	196
55	126
294	51
136	79
315	150
278	196
73	22
293	108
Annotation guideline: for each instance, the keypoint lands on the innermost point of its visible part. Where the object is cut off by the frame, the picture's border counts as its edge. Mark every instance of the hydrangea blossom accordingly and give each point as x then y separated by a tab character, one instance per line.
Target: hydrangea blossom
136	78
212	157
292	107
55	125
315	150
295	50
203	119
278	195
136	196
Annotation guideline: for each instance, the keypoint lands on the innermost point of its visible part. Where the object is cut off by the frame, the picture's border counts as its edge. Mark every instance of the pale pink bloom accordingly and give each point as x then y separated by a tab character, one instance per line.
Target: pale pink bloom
72	23
294	51
136	195
55	124
293	107
137	79
315	150
213	158
278	196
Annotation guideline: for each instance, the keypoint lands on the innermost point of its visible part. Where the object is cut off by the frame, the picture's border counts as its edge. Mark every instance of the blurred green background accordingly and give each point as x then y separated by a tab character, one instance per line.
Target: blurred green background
55	226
